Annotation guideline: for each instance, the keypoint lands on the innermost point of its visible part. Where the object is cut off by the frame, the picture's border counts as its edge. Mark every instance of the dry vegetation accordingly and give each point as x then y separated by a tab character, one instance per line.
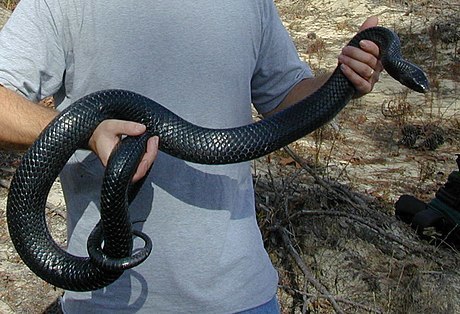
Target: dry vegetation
329	219
326	209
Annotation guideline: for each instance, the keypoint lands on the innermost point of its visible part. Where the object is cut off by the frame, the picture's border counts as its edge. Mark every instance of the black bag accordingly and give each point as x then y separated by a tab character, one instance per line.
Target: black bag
442	213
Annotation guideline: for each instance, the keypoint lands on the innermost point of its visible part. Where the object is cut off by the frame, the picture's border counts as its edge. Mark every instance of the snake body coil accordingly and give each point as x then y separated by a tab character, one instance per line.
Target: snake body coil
74	126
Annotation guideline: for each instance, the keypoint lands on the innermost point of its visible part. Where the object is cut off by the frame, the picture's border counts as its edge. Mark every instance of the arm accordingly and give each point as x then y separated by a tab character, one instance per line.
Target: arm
22	121
17	129
360	65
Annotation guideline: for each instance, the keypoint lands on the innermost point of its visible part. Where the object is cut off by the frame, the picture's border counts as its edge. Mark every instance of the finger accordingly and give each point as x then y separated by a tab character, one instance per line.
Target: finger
370	47
362	85
108	133
369	22
373	49
151	151
358	55
141	171
121	127
152	147
360	62
148	158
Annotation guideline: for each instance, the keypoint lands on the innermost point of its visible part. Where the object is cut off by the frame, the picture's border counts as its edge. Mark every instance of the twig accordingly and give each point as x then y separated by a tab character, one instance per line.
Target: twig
8	169
312	296
56	210
343	195
307	273
319	180
349	302
357	218
337	298
423	250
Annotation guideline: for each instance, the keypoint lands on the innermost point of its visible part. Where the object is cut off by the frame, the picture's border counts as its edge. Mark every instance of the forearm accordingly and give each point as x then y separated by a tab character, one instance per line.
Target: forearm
303	89
360	65
22	120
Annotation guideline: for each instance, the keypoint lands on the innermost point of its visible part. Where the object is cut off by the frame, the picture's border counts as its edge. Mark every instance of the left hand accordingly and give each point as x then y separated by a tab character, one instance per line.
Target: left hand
108	133
361	65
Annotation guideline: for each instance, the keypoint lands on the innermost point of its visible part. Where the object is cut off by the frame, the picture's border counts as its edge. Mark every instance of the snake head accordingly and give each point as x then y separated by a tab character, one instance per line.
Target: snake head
415	79
408	74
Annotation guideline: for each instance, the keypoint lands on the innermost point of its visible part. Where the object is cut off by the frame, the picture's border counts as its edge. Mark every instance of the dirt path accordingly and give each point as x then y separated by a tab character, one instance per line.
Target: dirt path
365	269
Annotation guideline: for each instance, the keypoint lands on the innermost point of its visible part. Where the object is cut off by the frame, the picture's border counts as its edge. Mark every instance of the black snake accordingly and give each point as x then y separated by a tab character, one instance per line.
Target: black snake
73	127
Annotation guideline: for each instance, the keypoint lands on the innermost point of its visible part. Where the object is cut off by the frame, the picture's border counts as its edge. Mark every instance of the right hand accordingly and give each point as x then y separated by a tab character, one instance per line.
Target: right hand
361	65
107	135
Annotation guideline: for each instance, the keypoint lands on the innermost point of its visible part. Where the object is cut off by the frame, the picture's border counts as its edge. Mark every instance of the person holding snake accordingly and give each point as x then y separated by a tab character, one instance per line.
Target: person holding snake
208	62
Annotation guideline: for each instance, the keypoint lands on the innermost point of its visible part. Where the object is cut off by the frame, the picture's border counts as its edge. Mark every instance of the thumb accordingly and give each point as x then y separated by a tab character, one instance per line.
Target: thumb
108	133
369	22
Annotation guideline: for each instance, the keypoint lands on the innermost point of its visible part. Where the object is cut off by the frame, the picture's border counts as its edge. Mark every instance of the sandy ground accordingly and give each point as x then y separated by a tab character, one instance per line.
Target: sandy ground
366	147
359	150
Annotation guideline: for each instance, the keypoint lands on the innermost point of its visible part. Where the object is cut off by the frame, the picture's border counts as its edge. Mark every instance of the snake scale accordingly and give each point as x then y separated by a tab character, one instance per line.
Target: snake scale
71	130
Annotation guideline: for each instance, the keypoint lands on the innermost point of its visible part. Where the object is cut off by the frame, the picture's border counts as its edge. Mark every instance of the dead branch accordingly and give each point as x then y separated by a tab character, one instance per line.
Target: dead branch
344	195
356	218
339	299
306	271
348	302
423	250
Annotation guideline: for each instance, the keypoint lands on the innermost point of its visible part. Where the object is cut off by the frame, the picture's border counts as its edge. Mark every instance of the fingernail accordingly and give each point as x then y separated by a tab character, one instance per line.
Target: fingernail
153	142
363	44
142	168
140	128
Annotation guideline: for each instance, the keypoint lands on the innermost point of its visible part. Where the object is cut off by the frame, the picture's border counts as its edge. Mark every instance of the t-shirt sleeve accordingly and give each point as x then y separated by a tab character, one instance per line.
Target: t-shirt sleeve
32	60
278	67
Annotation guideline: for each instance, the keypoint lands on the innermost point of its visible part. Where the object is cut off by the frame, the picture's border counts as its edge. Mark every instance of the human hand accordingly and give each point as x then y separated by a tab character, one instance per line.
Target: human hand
108	133
361	65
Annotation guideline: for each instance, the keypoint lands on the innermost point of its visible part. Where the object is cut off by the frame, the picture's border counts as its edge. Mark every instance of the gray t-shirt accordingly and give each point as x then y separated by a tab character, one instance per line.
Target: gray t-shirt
205	60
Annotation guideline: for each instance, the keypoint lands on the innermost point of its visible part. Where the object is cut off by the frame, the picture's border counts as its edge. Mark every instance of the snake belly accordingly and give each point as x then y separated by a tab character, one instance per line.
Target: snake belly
72	129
